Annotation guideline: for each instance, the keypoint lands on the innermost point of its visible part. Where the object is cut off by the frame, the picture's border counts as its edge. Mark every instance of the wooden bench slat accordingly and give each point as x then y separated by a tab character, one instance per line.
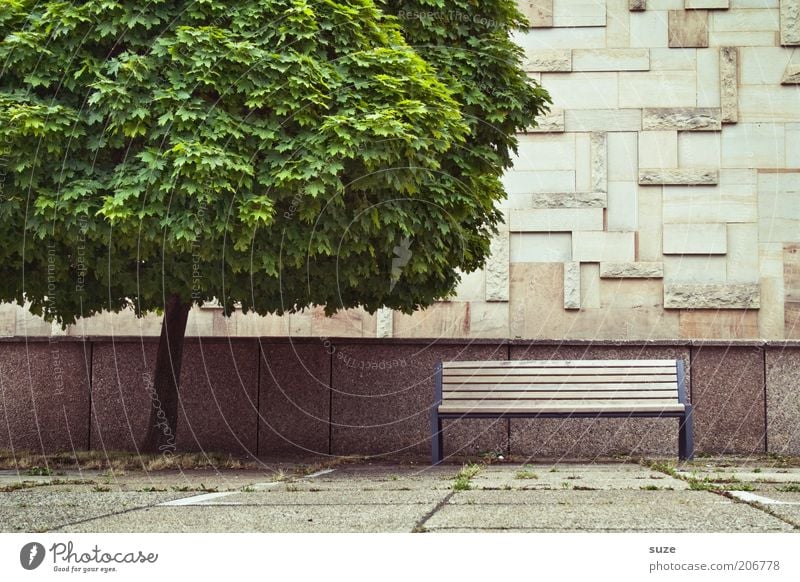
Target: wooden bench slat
493	371
556	363
499	407
565	387
562	395
558	379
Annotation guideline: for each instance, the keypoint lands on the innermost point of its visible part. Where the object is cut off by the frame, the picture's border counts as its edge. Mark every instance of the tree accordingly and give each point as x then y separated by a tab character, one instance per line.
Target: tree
268	154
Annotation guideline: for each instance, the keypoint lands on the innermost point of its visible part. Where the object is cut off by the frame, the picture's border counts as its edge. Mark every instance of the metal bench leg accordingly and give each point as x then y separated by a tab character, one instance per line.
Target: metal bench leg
436	437
686	438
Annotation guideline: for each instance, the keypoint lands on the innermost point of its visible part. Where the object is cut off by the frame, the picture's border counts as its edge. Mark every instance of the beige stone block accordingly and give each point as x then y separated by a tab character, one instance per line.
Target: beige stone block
742	255
658	89
489	320
649	29
790	22
300	324
567	200
604	120
595	247
599	162
613	59
791	328
695	269
793	146
667	59
764	65
441	320
791	272
708	89
472	286
550	122
544	60
385	323
755	3
344	323
8	320
583	90
637	5
590	286
699	149
771	316
556	219
583	162
791	76
683	176
540	247
650	223
623	157
617	24
779	207
771	260
572	285
706	4
200	322
631	293
711	296
623	211
569	13
497	267
729	84
701	204
681	119
719	324
754	145
555	38
520	182
769	103
538	12
545	152
124	323
665	4
688	29
695	239
658	149
745	20
638	270
757	38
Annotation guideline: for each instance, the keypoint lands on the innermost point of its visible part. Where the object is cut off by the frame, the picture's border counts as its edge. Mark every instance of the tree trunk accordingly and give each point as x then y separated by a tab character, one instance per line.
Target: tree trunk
161	431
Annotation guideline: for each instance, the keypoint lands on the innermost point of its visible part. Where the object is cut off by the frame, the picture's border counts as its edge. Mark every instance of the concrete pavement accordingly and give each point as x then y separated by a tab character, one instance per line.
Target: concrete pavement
705	496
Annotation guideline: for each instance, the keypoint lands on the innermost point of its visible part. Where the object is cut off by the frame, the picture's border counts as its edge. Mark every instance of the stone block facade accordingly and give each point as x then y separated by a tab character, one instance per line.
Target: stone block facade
670	162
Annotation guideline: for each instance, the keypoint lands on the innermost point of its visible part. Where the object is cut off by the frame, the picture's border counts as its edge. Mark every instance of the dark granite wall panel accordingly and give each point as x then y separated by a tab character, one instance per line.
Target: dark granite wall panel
728	396
44	396
383	395
295	399
783	400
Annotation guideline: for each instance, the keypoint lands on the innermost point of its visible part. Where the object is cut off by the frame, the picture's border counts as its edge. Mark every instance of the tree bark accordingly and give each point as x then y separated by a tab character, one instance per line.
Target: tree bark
161	430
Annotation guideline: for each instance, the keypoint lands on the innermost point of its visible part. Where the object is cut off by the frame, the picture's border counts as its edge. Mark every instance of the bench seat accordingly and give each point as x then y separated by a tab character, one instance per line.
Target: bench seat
561	388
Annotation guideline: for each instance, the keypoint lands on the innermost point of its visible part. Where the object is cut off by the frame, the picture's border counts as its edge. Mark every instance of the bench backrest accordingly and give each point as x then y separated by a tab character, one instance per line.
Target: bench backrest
647	385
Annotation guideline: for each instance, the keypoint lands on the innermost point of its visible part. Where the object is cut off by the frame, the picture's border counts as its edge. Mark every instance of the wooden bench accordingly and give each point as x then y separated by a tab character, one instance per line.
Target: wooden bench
562	389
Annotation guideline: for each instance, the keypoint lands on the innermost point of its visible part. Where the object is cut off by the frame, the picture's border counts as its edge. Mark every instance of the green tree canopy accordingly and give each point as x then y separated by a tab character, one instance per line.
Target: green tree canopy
272	153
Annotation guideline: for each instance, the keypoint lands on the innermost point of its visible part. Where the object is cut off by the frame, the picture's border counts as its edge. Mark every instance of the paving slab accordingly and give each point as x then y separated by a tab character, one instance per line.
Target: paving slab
601	511
341	498
579	477
268	519
36	510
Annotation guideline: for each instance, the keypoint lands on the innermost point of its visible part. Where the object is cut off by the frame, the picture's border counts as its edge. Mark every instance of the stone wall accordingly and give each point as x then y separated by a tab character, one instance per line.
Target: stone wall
275	397
660	198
